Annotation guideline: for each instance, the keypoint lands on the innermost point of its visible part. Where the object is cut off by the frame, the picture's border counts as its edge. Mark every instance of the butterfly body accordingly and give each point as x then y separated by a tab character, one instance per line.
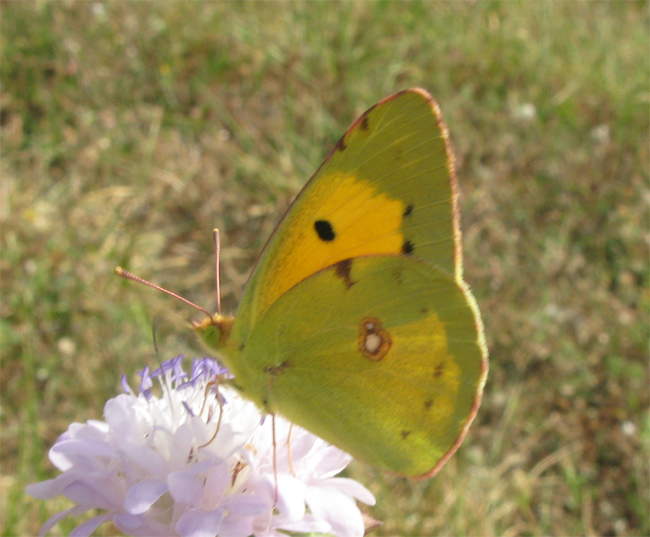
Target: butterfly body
356	323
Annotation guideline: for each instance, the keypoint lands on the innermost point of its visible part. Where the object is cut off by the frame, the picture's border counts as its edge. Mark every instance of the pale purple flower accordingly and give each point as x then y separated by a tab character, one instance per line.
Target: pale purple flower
156	467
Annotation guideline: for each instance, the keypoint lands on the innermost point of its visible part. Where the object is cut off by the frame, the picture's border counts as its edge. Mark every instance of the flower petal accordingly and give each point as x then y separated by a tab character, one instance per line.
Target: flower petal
308	524
54	520
63	452
143	495
352	488
142	526
338	509
148	460
246	504
236	526
291	496
91	495
85	529
200	523
216	484
50	488
185	487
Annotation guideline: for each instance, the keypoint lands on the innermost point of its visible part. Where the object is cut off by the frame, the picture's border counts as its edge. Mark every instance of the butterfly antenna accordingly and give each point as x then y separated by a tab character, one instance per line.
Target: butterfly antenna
217	262
123	273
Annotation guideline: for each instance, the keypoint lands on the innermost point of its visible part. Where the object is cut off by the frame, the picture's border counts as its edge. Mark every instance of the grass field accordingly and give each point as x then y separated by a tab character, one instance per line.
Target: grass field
130	130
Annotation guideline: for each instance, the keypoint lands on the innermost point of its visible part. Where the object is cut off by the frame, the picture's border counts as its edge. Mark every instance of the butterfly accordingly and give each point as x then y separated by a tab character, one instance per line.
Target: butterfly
356	323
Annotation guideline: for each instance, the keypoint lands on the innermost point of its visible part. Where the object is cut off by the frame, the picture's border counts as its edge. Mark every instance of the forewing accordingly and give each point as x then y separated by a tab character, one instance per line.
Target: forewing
388	187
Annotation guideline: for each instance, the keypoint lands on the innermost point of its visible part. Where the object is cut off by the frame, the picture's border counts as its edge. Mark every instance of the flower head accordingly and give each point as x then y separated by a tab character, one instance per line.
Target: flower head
198	461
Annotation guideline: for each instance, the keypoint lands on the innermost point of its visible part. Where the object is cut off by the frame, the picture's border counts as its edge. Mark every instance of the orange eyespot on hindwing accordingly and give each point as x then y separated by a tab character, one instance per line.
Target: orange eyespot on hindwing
374	340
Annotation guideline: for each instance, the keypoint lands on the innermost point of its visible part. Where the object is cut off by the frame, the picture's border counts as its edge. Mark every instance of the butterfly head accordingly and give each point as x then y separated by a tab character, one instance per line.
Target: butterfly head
214	330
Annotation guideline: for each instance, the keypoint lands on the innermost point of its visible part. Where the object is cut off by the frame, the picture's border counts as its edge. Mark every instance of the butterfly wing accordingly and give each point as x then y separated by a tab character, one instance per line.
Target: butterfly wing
388	187
382	356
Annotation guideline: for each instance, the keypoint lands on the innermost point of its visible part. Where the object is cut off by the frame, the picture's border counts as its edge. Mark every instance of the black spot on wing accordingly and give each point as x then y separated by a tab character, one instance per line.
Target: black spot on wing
341	145
342	271
408	211
324	230
404	434
407	247
365	124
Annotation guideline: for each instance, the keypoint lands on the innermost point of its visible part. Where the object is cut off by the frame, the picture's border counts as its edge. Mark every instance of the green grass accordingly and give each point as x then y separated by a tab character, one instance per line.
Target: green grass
131	130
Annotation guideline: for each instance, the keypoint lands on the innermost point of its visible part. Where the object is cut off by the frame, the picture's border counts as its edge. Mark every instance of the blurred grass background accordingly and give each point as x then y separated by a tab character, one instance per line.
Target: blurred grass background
131	129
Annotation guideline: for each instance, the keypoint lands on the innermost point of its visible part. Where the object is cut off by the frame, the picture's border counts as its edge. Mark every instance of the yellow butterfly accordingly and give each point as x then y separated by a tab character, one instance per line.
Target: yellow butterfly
356	323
